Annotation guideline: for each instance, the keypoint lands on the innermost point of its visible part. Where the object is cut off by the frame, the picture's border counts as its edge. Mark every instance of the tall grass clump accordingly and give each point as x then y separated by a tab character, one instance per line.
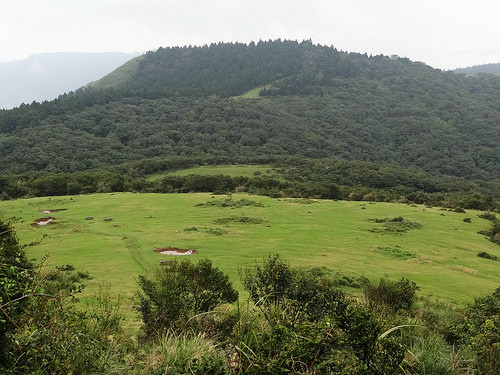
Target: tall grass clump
429	353
183	353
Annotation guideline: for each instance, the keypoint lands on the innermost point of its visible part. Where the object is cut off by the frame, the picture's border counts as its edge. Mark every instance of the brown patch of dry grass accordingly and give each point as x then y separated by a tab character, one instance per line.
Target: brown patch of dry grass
466	270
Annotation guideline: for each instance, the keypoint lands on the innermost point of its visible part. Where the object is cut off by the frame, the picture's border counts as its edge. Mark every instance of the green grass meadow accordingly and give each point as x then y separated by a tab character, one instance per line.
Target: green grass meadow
226	170
254	93
441	256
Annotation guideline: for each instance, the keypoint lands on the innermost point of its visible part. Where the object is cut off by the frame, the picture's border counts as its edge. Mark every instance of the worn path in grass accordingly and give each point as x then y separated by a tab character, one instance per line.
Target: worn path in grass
441	256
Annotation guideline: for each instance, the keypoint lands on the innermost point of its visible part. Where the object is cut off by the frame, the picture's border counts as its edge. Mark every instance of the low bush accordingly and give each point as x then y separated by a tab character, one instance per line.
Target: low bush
287	297
494	232
229	202
488	216
485	255
217	231
375	353
178	291
391	295
480	330
313	327
396	252
238	219
396	225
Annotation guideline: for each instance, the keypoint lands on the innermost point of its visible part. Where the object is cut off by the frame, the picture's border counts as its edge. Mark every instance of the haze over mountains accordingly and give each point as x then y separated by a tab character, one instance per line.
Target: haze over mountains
46	76
266	98
484	68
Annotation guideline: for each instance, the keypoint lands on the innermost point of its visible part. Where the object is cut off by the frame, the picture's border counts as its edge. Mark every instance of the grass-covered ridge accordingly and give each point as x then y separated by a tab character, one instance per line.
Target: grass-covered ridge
332	234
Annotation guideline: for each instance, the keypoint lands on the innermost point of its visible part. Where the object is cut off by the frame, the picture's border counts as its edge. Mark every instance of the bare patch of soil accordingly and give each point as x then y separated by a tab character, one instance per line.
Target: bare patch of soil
42	221
175	251
53	210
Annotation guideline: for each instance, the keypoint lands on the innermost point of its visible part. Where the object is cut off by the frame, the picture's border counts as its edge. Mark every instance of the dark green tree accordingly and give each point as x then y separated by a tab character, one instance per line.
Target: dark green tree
16	274
178	291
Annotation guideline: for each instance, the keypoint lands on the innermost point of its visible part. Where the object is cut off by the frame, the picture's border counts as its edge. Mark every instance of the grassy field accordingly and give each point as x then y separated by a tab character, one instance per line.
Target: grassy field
254	93
227	170
440	256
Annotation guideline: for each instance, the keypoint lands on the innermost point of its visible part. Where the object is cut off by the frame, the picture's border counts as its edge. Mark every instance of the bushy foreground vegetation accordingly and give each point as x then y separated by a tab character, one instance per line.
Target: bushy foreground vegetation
294	321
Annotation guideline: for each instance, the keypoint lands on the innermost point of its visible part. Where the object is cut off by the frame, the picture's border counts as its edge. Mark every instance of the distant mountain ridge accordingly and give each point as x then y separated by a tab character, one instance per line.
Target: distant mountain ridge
45	76
476	69
308	101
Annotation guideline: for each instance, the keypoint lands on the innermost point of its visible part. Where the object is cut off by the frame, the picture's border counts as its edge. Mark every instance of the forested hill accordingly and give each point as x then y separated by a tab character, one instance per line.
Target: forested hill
266	98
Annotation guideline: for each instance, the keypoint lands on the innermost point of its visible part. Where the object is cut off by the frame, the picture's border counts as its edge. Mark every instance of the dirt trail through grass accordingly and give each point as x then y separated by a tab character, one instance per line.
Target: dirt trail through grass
136	254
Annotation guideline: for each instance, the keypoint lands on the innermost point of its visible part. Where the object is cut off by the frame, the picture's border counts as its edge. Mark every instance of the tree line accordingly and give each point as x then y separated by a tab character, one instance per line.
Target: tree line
322	179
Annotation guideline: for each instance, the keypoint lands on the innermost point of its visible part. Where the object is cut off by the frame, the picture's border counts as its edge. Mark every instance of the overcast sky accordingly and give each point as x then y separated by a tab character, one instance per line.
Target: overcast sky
445	34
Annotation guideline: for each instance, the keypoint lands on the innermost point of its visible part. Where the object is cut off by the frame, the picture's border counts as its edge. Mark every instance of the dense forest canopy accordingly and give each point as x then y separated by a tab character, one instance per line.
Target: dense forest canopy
314	102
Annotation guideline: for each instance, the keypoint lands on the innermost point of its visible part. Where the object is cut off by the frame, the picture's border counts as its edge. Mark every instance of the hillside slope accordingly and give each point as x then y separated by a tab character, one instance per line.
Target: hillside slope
317	102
